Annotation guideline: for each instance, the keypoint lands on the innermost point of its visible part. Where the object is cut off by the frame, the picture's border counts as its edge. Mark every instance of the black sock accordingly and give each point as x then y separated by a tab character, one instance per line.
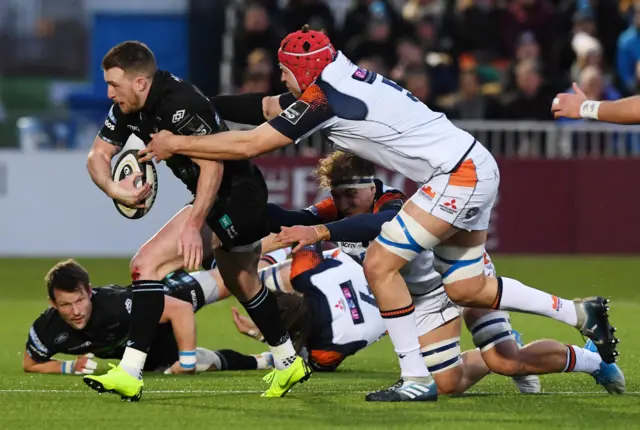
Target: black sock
263	310
146	310
232	360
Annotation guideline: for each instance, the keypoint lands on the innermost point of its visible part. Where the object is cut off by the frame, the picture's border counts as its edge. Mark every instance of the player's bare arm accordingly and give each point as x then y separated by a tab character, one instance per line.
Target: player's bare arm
84	364
229	145
99	166
576	106
183	321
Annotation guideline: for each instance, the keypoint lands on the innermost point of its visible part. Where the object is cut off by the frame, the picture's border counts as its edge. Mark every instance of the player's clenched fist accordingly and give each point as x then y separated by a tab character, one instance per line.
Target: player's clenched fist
568	105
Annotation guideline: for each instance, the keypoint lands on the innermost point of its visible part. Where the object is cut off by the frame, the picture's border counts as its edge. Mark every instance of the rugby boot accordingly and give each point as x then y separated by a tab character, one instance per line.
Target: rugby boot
593	322
406	391
526	384
116	381
283	380
608	375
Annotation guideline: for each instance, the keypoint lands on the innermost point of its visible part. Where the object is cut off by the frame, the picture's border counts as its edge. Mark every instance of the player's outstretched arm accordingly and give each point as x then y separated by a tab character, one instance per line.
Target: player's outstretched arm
228	145
576	105
83	365
358	228
183	321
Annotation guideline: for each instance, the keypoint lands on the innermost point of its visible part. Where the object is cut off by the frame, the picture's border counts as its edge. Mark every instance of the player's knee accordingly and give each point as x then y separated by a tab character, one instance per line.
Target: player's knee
375	266
462	272
143	267
405	237
492	330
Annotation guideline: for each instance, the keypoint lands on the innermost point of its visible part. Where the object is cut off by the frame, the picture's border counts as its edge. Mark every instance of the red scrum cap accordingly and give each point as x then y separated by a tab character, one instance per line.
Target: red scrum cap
305	54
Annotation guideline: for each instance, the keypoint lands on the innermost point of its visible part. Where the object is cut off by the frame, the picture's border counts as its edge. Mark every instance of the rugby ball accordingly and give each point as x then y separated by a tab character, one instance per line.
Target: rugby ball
126	165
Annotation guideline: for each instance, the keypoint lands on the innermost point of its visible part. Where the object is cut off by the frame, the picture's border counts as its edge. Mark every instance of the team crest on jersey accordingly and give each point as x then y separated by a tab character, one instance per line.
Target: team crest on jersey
294	112
364	75
61	338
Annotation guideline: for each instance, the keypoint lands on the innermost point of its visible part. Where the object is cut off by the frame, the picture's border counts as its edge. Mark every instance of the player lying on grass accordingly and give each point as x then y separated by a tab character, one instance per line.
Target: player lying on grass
353	217
367	114
88	322
327	307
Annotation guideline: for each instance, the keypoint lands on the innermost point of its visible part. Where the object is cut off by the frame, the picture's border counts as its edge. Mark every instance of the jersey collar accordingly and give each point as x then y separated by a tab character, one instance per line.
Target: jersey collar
154	92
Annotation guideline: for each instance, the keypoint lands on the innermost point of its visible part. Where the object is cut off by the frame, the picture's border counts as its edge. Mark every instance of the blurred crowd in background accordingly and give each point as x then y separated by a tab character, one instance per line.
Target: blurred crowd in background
472	59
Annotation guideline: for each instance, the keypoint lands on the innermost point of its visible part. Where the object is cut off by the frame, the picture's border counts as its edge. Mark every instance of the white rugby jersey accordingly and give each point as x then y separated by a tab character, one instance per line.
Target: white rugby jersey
372	117
354	312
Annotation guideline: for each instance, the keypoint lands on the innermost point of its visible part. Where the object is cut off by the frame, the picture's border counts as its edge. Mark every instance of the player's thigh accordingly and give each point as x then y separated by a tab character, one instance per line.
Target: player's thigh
438	324
160	253
492	333
447	205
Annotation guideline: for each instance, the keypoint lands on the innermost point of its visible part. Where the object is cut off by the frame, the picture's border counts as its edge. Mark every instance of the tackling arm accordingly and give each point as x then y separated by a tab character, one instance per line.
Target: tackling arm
623	111
230	145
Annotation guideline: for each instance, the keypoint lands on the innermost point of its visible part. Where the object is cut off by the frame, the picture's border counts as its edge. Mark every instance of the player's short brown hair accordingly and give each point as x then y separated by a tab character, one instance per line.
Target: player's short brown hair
295	317
67	276
340	166
132	57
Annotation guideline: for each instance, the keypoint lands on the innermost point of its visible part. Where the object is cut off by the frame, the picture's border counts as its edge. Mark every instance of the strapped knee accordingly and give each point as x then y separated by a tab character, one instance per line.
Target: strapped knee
405	237
491	329
442	356
455	263
270	278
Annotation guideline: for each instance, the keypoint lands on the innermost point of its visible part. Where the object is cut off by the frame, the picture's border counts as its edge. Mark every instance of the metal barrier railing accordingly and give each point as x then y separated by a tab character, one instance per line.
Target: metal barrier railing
510	139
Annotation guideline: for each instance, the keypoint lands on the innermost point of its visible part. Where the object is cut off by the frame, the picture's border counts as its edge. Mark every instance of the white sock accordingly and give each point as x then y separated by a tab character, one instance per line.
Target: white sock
133	362
401	325
582	360
283	355
518	297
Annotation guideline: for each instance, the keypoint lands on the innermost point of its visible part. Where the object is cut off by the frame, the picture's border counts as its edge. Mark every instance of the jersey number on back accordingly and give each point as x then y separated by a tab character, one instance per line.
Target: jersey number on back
363	75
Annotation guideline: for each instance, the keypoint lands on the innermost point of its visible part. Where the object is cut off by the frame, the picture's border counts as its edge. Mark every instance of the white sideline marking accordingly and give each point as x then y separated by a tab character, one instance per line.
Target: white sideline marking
557	393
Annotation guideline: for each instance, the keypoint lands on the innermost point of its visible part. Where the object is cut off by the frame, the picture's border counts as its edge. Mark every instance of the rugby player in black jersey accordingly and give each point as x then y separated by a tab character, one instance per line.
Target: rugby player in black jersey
93	322
227	217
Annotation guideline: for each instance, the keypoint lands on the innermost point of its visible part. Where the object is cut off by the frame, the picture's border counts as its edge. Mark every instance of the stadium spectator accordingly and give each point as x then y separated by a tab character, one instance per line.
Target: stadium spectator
528	15
530	101
479	17
469	102
629	53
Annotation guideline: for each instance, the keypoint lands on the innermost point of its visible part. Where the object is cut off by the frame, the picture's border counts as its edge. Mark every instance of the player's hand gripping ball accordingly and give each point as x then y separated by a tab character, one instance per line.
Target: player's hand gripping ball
126	165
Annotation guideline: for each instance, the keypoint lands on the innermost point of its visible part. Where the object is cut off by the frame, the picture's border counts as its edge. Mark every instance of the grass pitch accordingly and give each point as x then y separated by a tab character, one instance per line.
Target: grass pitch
232	400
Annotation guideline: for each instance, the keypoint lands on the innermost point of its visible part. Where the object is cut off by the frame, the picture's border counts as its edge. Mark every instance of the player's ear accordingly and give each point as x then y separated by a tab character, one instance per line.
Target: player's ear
140	83
52	303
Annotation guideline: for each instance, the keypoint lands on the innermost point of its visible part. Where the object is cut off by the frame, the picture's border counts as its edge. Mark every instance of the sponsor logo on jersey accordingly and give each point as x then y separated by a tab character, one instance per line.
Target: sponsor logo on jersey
196	126
177	116
133	127
228	227
427	192
194	299
364	75
450	206
294	112
81	346
352	302
127	305
36	341
109	125
471	212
